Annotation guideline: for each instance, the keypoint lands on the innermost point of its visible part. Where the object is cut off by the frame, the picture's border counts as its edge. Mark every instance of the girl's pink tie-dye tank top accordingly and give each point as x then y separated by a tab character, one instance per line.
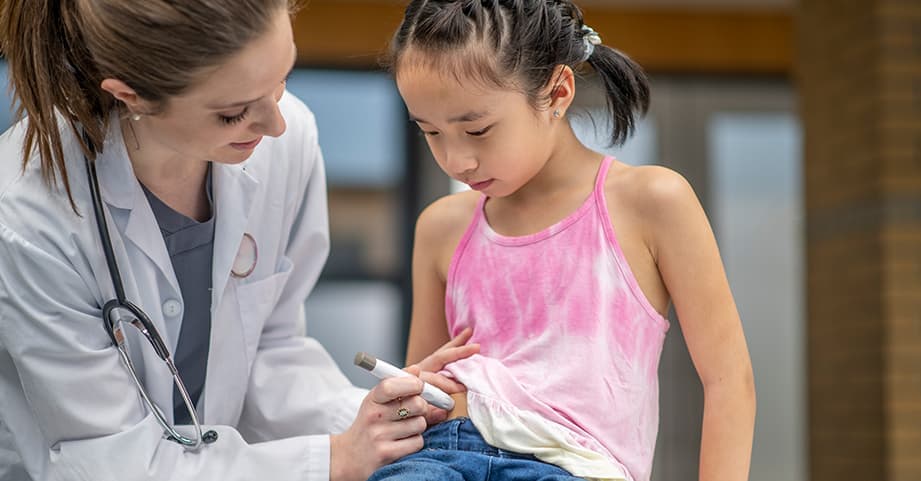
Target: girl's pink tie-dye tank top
566	334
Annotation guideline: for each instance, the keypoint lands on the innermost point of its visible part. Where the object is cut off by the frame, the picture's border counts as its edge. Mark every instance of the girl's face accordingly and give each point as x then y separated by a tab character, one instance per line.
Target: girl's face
488	138
224	116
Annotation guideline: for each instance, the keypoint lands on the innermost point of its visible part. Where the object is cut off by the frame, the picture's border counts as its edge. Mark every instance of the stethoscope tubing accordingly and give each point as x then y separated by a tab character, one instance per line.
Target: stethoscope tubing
140	321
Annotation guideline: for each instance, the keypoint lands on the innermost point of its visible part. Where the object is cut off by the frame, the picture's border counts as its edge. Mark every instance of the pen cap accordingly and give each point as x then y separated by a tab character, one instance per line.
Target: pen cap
365	361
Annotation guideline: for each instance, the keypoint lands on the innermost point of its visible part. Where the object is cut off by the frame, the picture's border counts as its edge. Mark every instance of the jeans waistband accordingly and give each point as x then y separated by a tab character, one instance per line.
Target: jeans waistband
460	434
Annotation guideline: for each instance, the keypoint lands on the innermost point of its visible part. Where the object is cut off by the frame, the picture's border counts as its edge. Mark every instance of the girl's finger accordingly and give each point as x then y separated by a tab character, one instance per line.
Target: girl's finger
439	359
445	383
458	340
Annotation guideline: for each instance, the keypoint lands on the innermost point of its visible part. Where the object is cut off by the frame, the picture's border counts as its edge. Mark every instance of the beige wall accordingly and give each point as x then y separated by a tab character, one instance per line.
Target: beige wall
724	39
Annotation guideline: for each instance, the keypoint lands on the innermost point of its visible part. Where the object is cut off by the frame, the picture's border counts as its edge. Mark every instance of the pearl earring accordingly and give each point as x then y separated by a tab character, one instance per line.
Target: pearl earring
556	113
135	117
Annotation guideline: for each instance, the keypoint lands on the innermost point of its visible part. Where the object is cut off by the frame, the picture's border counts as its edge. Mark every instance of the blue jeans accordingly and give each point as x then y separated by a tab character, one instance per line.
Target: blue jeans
455	451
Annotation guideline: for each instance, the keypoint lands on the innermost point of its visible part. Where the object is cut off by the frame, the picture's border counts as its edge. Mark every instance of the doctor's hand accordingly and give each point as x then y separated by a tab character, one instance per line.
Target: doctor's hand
428	370
389	426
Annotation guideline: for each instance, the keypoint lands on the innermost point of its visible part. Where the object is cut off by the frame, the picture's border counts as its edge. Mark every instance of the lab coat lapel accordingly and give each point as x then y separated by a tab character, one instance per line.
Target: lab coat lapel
121	189
234	189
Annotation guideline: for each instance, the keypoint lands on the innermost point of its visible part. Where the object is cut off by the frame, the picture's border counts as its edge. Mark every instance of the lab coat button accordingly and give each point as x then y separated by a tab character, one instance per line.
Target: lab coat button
172	308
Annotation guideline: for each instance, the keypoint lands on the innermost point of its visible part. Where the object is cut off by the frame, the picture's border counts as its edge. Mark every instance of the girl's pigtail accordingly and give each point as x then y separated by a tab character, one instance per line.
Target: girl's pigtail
626	87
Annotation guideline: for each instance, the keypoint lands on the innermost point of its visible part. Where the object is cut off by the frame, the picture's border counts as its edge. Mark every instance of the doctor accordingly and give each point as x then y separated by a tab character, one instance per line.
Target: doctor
211	188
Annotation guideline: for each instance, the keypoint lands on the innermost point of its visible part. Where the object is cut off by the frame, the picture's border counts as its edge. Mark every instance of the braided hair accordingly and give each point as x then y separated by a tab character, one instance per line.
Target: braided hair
518	44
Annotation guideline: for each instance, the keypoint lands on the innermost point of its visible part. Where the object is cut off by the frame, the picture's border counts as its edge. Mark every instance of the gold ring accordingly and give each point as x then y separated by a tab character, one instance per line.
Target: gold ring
403	412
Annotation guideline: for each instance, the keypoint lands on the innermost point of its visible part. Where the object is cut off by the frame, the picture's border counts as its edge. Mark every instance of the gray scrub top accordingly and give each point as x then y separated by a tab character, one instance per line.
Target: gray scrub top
191	246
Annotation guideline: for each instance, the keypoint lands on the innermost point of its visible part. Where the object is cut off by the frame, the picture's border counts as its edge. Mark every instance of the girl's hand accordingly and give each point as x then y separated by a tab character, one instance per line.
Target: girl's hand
451	351
428	370
379	434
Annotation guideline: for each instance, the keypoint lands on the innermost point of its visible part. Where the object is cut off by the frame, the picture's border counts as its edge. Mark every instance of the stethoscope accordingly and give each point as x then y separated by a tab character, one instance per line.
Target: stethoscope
120	310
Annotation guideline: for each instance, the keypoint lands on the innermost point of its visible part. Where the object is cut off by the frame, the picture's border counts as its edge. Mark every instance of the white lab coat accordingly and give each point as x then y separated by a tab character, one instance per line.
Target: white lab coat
68	406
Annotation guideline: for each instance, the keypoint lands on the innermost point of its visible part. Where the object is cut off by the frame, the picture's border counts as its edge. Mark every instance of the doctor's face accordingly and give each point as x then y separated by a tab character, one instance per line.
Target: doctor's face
226	114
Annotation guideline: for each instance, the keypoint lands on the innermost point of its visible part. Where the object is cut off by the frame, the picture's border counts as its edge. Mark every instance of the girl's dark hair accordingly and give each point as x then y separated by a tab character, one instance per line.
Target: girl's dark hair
59	51
518	44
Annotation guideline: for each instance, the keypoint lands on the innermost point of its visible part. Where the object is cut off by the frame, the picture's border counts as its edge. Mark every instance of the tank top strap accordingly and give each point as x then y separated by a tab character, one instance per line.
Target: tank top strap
480	204
478	217
602	175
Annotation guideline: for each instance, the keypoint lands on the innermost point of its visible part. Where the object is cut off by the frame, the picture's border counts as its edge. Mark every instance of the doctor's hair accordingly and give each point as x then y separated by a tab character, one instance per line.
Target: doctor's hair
517	44
60	51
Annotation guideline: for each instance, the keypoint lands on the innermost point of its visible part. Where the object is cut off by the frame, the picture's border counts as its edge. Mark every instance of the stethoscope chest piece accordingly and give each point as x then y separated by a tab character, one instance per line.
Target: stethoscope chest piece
209	437
245	262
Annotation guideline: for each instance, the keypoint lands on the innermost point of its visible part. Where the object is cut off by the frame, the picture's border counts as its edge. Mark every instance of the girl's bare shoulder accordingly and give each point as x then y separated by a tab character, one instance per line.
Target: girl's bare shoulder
445	220
651	192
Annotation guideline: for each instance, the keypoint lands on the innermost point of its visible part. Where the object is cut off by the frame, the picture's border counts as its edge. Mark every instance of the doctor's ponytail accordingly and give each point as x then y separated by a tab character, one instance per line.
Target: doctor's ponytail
60	51
51	71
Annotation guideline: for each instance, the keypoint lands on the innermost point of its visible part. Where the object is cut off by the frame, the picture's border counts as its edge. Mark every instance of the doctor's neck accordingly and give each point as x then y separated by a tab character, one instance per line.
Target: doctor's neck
175	179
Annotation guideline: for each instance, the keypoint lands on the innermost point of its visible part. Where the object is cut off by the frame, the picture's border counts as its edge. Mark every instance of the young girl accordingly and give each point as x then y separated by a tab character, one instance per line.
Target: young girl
562	260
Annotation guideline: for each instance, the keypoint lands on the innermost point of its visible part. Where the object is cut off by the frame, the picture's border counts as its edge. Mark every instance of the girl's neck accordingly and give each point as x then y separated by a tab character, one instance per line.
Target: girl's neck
564	183
568	166
177	181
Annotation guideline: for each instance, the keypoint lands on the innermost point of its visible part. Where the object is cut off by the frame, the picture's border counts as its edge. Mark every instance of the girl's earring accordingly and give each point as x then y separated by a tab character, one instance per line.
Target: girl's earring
135	117
556	114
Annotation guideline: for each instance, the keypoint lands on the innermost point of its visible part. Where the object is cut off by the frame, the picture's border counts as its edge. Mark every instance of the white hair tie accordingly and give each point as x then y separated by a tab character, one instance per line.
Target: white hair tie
590	38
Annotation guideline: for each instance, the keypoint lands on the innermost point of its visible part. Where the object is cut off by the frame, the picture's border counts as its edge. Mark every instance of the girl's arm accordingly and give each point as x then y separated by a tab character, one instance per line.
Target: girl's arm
428	327
438	232
686	253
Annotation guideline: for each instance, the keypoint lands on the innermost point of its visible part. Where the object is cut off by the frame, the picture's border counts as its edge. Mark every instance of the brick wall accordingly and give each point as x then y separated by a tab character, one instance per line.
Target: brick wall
858	71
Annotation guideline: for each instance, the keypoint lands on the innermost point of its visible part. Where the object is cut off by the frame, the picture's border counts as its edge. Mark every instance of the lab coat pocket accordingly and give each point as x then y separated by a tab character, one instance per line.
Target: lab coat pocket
257	299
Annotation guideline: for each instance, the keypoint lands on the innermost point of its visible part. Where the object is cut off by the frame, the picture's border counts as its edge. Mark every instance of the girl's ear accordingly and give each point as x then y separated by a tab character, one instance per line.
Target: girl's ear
562	89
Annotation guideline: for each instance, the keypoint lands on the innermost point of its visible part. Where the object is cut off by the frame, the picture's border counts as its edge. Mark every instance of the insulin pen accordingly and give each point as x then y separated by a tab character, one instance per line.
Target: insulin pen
382	370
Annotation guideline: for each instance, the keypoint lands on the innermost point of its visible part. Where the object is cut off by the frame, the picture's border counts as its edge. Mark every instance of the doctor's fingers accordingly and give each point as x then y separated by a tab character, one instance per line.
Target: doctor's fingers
387	428
404	428
391	389
405	408
373	441
390	452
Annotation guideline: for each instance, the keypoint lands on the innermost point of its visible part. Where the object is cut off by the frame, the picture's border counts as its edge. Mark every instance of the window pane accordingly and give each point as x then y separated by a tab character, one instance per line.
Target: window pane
362	127
640	149
757	207
6	107
348	317
361	121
